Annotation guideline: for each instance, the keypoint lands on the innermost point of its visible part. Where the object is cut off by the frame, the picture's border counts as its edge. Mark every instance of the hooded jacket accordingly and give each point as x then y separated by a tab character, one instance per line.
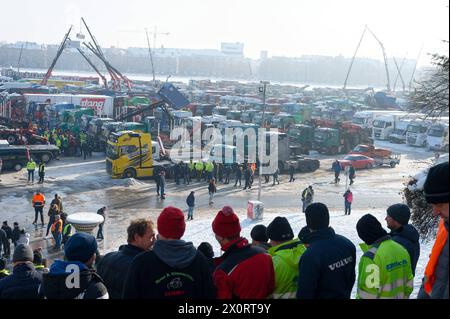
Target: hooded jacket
174	269
54	285
408	237
22	284
113	268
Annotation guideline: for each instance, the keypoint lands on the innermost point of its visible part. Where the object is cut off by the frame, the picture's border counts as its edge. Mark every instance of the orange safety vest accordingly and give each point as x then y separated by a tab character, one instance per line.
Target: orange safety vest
439	244
38	198
58	224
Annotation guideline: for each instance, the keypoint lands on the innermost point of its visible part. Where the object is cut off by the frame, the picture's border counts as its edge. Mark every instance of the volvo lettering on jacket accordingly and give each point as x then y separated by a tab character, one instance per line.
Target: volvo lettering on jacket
97	104
341	263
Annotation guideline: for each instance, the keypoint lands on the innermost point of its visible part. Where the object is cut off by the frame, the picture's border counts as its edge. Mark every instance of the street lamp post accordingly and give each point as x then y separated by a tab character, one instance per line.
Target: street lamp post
263	91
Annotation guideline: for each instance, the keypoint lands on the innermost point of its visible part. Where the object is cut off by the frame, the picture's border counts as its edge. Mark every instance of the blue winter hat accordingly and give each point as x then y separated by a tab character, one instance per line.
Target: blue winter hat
80	247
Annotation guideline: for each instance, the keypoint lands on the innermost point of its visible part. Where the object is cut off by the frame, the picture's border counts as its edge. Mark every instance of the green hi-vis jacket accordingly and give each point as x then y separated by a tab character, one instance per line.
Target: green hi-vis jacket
384	271
285	258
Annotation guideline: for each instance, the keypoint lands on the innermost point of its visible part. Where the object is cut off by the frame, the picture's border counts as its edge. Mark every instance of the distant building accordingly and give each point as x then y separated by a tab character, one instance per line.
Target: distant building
232	49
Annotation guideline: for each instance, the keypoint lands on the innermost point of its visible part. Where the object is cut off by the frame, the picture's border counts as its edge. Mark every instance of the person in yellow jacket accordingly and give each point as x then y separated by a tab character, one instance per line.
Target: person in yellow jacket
199	168
435	281
385	270
31	167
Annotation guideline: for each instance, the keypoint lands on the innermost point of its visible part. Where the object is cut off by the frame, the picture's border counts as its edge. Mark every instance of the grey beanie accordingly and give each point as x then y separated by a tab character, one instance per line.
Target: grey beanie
23	253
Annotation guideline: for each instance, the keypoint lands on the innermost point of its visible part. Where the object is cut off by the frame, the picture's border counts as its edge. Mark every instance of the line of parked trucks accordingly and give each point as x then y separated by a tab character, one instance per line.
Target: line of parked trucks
406	128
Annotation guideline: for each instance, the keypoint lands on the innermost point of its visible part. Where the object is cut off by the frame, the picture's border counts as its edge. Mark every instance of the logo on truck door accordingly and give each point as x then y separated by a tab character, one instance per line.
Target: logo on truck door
97	104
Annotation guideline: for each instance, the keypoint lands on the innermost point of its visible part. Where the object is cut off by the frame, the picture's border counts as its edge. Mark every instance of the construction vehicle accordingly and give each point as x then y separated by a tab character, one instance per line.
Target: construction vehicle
333	137
22	136
301	138
382	156
134	155
283	121
437	137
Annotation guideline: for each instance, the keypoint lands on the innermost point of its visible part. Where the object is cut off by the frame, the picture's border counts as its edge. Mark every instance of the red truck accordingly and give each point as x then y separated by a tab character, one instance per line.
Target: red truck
382	156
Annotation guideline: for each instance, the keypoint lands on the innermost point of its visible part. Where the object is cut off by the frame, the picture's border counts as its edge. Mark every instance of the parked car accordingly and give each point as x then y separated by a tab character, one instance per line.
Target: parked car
357	161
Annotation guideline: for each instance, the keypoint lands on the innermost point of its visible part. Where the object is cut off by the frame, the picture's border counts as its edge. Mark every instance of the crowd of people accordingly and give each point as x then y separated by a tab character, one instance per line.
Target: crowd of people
157	263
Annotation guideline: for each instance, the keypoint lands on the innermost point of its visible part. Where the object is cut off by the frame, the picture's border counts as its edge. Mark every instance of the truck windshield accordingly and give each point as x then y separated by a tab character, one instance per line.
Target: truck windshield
413	128
436	132
361	149
320	135
112	152
379	124
359	120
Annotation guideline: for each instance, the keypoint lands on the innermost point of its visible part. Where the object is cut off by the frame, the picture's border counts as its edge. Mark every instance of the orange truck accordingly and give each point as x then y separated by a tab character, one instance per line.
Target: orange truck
381	156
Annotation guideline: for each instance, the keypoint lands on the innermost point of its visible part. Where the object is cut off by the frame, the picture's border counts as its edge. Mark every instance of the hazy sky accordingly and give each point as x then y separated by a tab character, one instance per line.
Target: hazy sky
283	27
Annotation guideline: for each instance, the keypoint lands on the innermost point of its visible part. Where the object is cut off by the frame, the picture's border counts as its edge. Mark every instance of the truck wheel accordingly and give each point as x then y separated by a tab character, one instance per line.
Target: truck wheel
17	167
393	164
46	158
129	173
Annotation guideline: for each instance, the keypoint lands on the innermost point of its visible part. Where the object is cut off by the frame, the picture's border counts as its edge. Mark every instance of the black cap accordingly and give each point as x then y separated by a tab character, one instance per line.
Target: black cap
370	229
259	233
436	185
400	213
317	216
303	235
206	249
280	229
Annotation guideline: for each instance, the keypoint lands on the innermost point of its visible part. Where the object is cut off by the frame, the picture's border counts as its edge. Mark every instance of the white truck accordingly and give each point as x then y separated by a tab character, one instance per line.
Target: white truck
384	125
438	137
364	119
416	133
398	135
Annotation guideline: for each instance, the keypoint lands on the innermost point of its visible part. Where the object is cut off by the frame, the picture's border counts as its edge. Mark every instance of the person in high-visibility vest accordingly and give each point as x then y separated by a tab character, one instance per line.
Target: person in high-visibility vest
3	271
199	168
57	229
31	167
435	281
38	202
67	229
385	270
41	171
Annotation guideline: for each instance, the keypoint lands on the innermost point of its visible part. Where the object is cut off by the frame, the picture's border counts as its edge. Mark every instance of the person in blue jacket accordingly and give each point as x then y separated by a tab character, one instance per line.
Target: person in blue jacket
337	171
403	233
327	268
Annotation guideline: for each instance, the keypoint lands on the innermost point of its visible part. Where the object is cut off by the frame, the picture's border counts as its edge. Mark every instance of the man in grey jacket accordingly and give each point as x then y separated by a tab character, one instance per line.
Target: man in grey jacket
435	281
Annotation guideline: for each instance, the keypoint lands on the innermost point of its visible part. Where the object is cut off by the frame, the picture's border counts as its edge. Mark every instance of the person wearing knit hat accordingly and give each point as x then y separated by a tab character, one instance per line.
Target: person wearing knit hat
436	190
303	235
243	271
171	223
259	237
207	250
173	269
286	252
24	281
80	254
317	216
381	253
405	234
327	267
435	283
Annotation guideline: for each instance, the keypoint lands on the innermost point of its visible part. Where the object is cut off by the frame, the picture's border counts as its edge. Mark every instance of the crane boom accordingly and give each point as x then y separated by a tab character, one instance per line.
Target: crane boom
58	54
105	83
385	60
354	56
114	77
151	57
399	74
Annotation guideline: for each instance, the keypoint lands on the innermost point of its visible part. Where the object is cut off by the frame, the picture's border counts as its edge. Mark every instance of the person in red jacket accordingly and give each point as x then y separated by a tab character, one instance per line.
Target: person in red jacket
243	271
